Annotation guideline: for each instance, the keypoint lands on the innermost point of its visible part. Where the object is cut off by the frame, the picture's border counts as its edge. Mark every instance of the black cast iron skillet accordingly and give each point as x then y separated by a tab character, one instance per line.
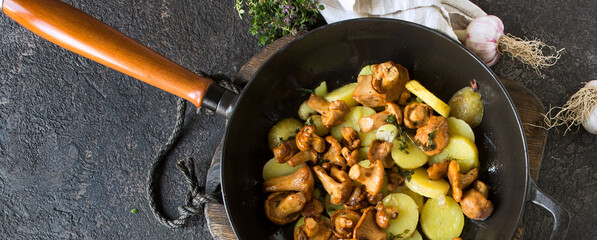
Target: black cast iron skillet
333	53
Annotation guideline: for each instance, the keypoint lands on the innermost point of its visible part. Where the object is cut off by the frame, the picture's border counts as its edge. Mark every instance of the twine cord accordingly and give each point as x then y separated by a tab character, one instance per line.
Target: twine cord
196	197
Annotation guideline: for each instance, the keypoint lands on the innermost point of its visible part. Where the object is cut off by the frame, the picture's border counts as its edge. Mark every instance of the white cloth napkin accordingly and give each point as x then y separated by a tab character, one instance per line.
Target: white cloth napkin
443	15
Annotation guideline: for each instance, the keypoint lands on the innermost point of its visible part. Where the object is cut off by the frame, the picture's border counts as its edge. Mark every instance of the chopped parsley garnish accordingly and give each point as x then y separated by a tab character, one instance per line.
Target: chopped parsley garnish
134	210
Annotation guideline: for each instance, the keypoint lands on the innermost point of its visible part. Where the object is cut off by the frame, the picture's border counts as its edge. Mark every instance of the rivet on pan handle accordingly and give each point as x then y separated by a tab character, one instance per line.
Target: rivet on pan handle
561	216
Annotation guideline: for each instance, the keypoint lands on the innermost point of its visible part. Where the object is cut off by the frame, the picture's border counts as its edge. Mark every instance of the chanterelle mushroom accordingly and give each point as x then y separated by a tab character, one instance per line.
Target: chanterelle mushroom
438	170
475	205
434	136
303	157
307	139
314	229
332	113
416	115
367	227
384	85
395	180
343	222
338	185
371	177
313	208
351	138
481	187
284	151
334	153
301	181
282	208
357	199
460	181
351	157
404	96
381	150
384	215
372	122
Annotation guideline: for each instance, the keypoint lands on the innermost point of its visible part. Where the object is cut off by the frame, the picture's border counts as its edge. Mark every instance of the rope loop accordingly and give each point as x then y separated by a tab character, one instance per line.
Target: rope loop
196	198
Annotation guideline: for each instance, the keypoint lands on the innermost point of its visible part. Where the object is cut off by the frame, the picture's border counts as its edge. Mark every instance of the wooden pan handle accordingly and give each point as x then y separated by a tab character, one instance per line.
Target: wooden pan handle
79	32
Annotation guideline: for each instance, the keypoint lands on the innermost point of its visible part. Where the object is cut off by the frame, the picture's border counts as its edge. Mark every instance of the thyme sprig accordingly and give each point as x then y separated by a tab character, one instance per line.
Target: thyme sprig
403	137
272	19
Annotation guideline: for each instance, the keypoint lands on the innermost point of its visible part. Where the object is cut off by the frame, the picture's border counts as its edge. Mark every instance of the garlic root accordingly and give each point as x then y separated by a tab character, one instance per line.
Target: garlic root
530	52
581	108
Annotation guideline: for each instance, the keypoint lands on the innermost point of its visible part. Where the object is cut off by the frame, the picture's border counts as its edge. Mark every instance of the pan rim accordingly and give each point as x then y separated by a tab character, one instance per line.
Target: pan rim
511	105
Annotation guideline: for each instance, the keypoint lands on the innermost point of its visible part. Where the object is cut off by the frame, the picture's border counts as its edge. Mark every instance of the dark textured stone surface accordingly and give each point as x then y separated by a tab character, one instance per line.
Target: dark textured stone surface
76	138
567	171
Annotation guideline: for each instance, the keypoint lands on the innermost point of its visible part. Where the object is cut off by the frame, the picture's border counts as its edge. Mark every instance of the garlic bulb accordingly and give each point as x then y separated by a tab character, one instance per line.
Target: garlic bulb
590	123
485	37
590	120
581	108
482	36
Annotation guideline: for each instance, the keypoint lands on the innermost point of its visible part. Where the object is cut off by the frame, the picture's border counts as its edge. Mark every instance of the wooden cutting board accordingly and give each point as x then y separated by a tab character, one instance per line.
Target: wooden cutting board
527	104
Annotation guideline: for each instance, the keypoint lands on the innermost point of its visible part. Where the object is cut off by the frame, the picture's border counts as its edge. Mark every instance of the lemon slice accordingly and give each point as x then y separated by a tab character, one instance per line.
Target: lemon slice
438	105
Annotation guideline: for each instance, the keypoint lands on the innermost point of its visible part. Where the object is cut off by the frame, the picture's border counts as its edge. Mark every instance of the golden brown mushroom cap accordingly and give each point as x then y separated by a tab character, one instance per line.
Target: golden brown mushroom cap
351	138
307	139
365	94
367	228
384	215
385	85
300	181
357	199
371	177
313	208
416	115
334	153
372	122
390	78
438	170
332	113
434	136
284	151
314	229
381	150
282	208
343	222
351	157
337	184
395	180
475	205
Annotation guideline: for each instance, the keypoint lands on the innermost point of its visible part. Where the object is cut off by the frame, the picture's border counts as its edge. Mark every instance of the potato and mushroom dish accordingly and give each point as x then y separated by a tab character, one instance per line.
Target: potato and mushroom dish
382	158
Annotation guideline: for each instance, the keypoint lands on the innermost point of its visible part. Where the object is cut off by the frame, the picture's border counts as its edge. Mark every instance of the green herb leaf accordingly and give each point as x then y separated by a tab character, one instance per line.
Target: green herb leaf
272	19
407	174
391	119
305	90
134	210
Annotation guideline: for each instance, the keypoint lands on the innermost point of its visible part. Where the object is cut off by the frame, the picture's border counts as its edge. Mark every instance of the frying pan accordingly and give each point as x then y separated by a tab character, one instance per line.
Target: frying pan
334	53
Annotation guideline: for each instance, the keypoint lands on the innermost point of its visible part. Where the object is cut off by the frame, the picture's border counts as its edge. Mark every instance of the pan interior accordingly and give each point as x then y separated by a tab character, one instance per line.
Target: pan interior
335	53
